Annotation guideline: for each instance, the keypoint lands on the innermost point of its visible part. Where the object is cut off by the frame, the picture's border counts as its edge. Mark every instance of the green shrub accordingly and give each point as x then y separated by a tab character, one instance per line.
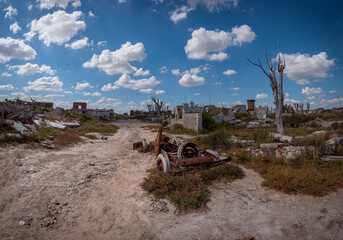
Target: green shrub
208	123
220	139
297	119
70	114
7	128
85	118
241	115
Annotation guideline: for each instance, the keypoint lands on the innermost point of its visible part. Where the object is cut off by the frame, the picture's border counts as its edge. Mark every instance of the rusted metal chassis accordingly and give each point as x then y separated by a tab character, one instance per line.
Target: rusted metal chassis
207	159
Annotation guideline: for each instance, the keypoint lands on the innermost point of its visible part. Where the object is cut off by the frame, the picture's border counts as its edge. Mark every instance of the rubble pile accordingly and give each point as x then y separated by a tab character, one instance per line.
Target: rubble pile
19	118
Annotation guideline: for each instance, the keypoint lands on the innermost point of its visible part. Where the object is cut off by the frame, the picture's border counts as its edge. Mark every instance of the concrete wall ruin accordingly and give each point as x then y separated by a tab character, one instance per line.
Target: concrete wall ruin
192	121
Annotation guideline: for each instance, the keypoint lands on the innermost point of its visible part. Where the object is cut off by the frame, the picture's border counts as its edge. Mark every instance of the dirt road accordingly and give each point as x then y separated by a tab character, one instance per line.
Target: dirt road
92	191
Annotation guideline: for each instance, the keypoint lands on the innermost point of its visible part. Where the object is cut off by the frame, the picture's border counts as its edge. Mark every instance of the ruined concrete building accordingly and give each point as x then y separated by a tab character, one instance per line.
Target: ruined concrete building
188	117
239	109
22	111
79	107
100	114
251	106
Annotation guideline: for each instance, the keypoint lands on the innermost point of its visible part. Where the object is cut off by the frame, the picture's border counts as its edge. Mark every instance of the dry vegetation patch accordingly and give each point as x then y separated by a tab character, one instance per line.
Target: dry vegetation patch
306	176
64	137
189	190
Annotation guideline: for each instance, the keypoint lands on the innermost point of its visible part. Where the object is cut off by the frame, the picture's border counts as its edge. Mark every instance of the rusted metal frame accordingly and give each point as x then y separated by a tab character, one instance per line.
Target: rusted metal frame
157	143
194	161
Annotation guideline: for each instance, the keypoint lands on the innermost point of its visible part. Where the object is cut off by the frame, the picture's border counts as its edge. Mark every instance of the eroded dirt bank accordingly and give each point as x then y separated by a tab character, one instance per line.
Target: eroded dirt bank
92	191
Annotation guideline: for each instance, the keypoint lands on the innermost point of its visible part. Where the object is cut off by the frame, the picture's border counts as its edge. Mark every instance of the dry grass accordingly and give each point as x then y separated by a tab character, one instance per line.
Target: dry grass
64	138
306	176
190	189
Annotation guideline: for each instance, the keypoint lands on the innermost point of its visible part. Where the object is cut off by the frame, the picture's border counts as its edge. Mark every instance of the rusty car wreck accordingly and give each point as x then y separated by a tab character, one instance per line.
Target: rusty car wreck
173	155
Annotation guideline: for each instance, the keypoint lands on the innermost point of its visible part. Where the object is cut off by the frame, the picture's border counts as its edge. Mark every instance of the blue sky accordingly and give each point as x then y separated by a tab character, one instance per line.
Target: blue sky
117	54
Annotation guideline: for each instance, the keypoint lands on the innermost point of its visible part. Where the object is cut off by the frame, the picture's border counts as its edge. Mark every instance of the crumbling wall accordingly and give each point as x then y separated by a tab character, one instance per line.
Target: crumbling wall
260	113
193	121
101	114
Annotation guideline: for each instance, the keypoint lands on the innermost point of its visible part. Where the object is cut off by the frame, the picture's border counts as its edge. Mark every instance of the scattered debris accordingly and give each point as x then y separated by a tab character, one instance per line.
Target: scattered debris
158	205
21	223
332	158
281	138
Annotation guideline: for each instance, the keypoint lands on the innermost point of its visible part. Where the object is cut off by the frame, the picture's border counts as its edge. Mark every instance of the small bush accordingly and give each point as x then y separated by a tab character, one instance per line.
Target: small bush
178	126
298	119
85	118
7	128
70	114
208	123
91	136
241	115
219	140
190	189
150	148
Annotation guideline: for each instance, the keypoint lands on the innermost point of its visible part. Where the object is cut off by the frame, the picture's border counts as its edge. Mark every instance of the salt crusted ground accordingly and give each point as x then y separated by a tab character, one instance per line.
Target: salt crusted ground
92	191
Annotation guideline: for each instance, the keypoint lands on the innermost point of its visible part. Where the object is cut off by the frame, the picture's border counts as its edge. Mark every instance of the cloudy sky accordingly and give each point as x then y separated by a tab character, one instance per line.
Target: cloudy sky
118	53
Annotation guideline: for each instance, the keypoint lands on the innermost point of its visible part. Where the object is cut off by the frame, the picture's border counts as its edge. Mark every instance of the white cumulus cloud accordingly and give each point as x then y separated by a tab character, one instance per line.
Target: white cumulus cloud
6	74
311	91
15	27
94	94
15	48
58	27
105	103
126	81
234	88
181	12
118	62
175	72
90	14
332	91
191	80
53	95
261	96
141	72
160	92
10	12
45	84
237	103
109	87
163	69
146	90
6	87
229	72
83	86
30	69
102	43
78	44
48	4
210	45
301	67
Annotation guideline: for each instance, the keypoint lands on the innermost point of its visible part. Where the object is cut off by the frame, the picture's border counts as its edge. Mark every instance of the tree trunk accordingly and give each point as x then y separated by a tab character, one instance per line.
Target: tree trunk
278	118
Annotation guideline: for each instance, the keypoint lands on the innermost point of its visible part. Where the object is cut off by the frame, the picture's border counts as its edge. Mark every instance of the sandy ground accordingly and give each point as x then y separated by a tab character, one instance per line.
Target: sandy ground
59	195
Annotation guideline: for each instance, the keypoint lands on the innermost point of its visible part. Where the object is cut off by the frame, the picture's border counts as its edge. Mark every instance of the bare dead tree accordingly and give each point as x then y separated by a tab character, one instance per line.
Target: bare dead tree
158	104
276	87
